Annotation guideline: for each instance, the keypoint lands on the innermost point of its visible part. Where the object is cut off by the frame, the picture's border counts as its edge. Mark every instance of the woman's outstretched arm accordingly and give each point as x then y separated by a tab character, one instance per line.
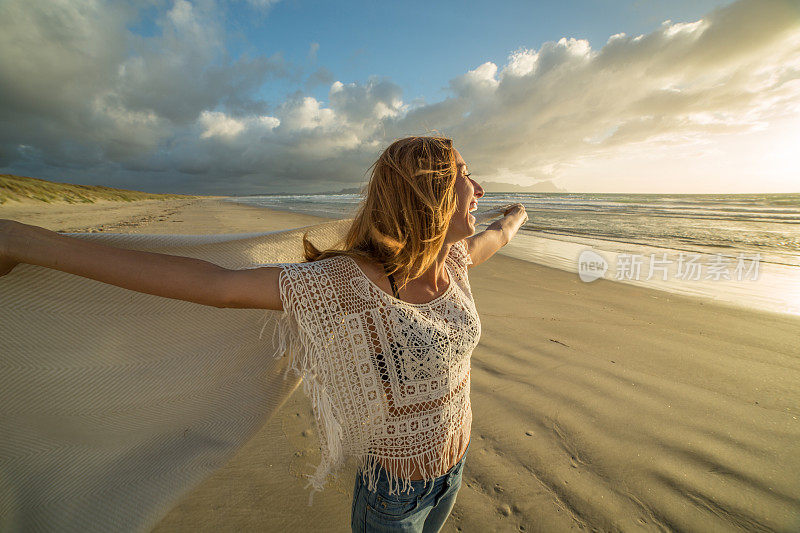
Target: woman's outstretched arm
170	276
485	244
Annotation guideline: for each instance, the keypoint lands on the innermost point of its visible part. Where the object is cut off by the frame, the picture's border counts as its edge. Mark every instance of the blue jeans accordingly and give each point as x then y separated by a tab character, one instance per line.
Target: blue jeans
424	509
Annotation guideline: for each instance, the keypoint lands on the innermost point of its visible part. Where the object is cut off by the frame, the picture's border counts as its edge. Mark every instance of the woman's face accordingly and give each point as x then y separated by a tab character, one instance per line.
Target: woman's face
468	191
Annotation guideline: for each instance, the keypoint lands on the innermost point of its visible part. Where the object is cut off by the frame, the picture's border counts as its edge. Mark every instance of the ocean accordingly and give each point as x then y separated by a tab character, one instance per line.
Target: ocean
738	249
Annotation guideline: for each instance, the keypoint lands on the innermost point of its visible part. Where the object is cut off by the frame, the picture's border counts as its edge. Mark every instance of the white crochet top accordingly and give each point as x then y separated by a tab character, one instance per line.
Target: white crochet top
387	379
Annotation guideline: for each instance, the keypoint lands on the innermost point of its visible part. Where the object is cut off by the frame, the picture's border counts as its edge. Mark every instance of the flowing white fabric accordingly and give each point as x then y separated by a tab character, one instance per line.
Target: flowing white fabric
388	380
114	404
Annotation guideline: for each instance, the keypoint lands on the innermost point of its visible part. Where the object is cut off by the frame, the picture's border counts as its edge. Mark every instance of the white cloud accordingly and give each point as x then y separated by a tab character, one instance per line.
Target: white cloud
521	63
217	124
361	106
304	114
689	28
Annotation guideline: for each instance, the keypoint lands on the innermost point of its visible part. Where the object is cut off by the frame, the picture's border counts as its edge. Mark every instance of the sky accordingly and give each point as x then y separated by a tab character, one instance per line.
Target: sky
264	96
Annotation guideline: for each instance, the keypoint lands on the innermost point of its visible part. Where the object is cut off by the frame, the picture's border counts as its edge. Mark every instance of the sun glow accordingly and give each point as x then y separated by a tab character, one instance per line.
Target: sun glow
780	157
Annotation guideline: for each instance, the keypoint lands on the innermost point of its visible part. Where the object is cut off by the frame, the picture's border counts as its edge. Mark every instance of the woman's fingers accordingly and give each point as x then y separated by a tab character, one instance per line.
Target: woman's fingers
513	207
517	209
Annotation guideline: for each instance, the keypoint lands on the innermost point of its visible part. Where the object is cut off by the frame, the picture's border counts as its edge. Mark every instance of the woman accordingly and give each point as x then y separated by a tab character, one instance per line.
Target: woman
381	328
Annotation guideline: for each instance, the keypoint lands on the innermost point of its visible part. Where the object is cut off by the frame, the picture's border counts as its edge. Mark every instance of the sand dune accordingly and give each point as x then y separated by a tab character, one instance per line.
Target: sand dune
601	407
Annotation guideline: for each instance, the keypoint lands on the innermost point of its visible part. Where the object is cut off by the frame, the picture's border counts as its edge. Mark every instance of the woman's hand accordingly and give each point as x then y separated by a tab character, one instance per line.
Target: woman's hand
483	245
516	210
7	263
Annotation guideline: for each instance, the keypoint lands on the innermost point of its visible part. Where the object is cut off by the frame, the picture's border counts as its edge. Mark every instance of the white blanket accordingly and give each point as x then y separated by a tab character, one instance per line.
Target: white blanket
114	404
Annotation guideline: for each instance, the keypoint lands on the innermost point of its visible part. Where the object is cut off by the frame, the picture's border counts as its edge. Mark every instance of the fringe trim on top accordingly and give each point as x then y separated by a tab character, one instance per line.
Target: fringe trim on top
289	341
301	351
400	468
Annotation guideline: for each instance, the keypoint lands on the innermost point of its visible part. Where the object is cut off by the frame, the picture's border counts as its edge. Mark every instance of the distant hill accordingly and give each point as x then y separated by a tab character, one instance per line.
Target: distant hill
542	186
21	188
348	190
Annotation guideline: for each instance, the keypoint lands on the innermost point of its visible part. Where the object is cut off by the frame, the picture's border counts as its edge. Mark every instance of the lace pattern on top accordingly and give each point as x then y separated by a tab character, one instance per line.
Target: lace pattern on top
388	380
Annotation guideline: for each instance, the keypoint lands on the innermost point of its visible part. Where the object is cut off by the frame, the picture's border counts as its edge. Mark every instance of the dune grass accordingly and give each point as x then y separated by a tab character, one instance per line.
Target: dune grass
21	188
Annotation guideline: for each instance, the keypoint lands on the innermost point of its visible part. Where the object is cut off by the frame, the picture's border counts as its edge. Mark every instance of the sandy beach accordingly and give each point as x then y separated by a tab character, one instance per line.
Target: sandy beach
597	406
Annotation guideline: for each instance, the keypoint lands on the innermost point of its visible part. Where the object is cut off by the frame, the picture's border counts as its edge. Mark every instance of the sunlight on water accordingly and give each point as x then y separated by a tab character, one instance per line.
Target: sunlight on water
561	225
775	287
